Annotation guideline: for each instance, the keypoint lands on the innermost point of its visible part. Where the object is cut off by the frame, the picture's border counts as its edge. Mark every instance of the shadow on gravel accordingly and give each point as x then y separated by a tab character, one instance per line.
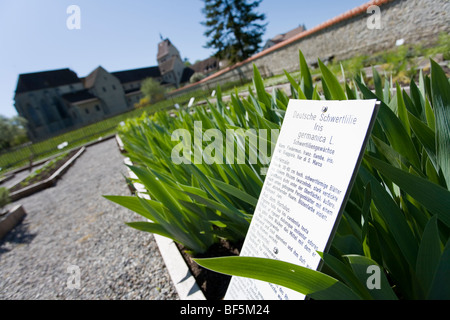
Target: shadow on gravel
17	236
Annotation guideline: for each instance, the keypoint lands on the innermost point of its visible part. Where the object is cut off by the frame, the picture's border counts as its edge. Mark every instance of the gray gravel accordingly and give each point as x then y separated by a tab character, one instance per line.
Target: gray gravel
71	225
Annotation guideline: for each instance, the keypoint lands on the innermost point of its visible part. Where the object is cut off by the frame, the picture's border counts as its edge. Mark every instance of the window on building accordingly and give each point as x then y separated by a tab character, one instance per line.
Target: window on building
97	107
86	110
114	87
104	89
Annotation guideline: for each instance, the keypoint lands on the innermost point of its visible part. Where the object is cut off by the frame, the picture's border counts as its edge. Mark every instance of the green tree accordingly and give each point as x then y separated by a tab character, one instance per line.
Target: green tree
152	90
12	132
186	62
233	27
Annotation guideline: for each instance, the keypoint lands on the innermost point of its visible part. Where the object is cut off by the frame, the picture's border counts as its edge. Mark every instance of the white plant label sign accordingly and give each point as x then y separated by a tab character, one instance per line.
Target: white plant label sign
316	159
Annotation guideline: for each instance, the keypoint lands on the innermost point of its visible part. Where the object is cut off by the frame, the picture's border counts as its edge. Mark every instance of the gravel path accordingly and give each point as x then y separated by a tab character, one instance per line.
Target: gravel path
72	227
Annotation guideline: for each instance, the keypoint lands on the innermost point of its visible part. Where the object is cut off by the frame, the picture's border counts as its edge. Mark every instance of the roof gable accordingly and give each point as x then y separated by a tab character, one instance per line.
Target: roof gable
165	48
89	80
99	73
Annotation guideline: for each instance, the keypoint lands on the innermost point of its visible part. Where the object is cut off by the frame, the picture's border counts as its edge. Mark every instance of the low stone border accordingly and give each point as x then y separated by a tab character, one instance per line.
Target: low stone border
185	284
11	219
26	191
7	177
120	144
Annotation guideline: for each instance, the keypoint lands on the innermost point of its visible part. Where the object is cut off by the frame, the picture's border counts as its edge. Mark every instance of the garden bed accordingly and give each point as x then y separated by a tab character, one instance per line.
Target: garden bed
399	207
213	285
46	176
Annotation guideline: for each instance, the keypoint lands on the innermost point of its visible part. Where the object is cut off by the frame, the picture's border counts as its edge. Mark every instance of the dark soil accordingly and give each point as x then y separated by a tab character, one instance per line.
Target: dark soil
213	284
45	174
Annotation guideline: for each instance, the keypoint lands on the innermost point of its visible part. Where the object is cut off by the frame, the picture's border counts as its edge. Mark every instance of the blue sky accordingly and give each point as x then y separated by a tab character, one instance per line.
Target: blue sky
120	35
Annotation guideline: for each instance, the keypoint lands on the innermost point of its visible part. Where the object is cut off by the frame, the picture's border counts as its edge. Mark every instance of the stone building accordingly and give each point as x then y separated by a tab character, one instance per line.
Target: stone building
207	67
108	89
171	66
39	99
86	108
57	101
131	81
283	36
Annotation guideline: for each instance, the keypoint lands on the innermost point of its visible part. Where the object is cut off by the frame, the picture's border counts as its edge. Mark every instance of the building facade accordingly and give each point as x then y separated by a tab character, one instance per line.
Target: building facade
85	107
171	66
131	81
108	89
39	99
57	101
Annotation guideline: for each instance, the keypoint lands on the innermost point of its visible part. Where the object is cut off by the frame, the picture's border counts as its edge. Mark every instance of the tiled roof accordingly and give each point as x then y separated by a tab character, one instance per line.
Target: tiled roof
345	16
163	48
137	74
45	79
89	80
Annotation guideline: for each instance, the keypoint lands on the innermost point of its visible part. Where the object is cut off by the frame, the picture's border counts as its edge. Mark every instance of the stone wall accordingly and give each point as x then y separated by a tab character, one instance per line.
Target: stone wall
415	21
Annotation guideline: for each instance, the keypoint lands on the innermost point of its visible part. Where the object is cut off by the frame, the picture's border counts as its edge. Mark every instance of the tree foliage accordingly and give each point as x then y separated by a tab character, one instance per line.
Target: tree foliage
12	132
234	28
152	90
